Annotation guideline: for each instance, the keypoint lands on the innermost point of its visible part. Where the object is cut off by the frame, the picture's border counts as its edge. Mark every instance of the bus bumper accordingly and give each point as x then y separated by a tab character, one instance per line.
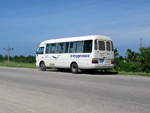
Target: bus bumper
98	66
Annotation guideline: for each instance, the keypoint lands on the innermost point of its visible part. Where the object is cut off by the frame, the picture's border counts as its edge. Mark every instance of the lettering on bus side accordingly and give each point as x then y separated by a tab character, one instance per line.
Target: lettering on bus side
56	57
79	56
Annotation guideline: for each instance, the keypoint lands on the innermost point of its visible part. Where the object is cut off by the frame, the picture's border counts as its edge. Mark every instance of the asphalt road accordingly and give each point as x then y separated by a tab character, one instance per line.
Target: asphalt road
32	91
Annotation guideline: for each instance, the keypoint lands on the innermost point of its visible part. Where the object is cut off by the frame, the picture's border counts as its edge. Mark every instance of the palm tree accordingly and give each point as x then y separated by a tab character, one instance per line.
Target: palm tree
131	55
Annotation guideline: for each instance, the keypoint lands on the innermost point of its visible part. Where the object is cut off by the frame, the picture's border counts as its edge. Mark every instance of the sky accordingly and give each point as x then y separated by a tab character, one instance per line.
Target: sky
25	23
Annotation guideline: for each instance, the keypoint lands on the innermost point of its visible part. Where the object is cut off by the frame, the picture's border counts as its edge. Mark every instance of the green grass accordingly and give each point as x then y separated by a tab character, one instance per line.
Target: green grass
16	64
134	73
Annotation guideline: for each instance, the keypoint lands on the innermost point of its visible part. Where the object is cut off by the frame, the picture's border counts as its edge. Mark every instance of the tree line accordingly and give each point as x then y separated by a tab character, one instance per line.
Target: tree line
23	59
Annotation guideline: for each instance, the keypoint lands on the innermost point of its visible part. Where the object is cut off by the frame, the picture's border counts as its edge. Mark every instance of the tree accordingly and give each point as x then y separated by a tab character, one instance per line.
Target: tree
145	59
1	57
131	56
116	59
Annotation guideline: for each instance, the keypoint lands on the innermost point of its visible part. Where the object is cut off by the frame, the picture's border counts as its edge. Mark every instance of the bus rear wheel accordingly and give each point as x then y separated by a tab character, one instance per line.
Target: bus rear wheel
42	66
74	68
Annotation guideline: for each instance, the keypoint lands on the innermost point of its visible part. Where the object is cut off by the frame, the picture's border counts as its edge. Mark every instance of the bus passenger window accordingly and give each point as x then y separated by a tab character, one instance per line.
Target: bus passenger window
87	46
112	46
79	47
60	47
95	45
48	48
53	48
108	46
72	47
66	47
101	45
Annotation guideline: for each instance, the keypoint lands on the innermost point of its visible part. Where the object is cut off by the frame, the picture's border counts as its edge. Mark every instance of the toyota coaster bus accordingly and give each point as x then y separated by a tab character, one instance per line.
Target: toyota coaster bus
76	53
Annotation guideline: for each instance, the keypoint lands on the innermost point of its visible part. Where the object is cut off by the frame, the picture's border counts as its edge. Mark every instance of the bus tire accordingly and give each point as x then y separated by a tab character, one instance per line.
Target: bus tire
42	66
74	68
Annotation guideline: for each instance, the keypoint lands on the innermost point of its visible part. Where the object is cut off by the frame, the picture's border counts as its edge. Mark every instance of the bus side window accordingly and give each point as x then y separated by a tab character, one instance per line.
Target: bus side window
95	45
87	46
72	47
66	47
112	46
60	47
48	48
53	48
79	47
108	46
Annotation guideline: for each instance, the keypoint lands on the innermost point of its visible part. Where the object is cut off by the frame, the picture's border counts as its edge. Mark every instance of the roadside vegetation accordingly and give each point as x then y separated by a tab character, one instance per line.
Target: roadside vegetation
134	63
18	61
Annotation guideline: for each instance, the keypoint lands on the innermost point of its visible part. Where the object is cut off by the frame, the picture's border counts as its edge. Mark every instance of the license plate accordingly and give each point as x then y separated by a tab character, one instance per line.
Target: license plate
101	61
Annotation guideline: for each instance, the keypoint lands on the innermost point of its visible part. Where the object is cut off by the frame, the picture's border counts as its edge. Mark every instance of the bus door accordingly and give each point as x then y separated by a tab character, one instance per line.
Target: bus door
49	55
40	54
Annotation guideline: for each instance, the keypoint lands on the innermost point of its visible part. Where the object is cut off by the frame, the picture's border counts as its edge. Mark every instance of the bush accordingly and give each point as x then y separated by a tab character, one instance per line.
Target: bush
129	66
134	62
28	59
145	59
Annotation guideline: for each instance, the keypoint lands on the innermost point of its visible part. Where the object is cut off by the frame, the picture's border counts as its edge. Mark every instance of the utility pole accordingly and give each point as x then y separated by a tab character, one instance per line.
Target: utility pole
8	50
141	42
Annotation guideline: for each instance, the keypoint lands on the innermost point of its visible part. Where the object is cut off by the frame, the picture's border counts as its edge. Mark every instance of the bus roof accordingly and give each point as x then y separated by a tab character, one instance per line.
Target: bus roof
101	37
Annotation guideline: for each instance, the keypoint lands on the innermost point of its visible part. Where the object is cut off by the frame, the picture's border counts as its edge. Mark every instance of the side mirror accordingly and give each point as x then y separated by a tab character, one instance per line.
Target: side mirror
37	53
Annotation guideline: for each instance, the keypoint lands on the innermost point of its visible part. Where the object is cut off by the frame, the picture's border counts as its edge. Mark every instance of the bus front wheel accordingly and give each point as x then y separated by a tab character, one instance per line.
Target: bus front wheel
74	68
42	66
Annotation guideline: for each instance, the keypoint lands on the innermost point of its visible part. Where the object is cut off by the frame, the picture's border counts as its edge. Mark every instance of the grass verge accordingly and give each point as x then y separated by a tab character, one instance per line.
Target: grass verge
134	73
17	64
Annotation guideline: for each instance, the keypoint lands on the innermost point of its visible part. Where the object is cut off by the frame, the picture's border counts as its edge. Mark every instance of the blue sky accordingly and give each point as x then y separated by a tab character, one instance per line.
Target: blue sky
25	23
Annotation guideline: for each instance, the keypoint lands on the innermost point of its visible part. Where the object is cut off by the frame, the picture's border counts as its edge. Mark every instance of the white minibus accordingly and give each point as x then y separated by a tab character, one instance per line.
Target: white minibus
76	53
